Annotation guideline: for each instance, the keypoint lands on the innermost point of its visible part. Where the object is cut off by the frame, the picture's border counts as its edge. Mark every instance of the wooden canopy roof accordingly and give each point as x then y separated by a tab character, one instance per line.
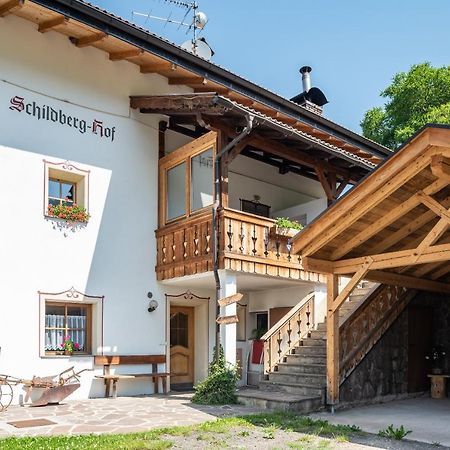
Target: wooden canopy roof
272	141
394	226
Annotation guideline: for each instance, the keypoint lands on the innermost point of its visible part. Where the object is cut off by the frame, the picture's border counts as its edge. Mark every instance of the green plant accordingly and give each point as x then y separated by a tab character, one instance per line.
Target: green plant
73	213
257	333
285	222
69	345
219	387
394	433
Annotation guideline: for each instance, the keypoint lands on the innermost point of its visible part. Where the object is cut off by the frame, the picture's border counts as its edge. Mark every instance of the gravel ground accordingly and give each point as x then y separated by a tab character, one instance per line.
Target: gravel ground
269	438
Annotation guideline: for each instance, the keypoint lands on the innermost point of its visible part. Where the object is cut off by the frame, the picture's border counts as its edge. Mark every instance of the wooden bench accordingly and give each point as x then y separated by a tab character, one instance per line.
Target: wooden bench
111	380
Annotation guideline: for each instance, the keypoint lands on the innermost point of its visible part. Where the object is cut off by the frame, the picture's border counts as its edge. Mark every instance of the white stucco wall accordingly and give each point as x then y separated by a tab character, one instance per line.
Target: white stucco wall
114	255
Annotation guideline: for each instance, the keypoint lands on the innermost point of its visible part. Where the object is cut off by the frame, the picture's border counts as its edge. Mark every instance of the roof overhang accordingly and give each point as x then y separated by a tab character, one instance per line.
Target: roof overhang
286	140
394	226
87	25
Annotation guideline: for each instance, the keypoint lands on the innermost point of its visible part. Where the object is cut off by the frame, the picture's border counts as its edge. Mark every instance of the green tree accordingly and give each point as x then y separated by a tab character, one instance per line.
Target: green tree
414	98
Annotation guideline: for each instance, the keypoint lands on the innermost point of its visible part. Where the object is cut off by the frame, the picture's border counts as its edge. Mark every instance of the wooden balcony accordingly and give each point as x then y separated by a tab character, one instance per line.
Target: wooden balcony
247	243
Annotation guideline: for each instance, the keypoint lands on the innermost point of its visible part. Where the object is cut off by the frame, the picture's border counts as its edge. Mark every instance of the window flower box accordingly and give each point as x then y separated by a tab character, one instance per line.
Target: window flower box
72	213
286	227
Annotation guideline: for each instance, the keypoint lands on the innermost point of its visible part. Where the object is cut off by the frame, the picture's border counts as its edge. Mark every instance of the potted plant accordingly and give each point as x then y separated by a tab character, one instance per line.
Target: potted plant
69	346
71	213
257	345
287	227
437	359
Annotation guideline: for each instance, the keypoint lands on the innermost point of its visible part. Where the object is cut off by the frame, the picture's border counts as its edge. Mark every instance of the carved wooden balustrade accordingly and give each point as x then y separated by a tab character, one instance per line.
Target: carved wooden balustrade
288	332
185	247
247	243
368	323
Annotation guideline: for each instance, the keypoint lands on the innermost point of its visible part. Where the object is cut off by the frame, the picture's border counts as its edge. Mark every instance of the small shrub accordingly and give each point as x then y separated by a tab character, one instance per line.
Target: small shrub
219	387
394	433
285	222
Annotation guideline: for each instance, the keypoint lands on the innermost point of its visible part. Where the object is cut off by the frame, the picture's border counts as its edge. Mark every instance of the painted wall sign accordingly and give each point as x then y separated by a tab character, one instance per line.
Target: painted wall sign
230	300
227	320
58	116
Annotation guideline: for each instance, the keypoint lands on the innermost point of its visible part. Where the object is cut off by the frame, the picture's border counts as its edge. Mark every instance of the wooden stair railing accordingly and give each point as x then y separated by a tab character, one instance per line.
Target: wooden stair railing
288	332
365	327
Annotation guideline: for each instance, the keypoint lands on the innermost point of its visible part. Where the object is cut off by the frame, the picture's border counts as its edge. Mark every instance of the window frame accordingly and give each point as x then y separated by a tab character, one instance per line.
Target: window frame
184	154
67	172
88	329
72	297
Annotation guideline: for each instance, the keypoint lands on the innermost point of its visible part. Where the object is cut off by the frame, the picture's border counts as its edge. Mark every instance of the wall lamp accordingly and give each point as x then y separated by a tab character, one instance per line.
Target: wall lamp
153	304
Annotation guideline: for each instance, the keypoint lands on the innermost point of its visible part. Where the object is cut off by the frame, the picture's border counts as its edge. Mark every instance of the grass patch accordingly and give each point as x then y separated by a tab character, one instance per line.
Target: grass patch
214	432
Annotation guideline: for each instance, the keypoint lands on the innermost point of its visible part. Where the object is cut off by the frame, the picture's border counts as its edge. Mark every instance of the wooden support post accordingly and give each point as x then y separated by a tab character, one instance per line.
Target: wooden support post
10	6
162	139
222	141
332	342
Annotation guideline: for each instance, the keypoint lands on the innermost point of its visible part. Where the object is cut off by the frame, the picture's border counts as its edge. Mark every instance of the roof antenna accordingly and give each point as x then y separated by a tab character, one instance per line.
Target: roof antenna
197	46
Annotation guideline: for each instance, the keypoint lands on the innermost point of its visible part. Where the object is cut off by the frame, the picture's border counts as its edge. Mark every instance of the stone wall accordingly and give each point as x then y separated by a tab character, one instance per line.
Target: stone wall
384	371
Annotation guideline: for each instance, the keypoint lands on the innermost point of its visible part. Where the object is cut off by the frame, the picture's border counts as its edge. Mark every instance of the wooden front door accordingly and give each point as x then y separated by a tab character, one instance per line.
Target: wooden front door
181	344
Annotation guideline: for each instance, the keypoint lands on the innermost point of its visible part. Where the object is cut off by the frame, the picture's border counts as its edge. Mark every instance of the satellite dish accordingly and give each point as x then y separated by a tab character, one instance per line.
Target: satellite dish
198	47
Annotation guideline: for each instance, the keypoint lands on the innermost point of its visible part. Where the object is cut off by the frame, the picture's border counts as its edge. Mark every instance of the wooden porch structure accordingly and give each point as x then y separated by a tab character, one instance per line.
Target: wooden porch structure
393	228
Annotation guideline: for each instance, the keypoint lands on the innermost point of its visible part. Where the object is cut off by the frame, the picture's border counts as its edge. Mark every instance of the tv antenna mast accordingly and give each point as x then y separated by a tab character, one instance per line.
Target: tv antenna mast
195	45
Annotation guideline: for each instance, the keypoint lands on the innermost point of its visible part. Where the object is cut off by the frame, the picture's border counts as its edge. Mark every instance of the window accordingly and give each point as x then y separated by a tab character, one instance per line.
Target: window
202	180
74	314
61	192
67	320
262	321
66	188
186	179
254	207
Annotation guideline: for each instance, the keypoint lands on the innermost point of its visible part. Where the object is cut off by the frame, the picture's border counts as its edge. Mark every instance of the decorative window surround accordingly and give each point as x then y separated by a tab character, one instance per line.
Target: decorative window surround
74	297
67	172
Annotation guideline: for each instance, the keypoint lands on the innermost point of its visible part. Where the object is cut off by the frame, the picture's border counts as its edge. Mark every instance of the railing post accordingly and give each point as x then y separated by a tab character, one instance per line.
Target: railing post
332	342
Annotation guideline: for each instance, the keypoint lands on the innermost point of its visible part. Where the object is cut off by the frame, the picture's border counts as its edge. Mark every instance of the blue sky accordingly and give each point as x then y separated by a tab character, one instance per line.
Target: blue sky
353	46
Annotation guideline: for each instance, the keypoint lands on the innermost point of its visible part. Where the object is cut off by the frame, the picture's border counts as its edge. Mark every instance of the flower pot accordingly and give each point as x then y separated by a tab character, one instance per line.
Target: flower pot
287	232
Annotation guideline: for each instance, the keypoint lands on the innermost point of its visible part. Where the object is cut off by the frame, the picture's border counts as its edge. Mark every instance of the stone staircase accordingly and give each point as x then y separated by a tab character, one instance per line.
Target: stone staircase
298	383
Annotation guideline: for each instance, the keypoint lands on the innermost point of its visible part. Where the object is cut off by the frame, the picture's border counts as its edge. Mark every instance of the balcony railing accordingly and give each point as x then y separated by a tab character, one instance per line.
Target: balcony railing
248	243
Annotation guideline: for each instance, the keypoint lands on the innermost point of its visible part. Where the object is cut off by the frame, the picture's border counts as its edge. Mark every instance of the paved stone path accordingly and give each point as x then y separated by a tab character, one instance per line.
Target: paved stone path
120	415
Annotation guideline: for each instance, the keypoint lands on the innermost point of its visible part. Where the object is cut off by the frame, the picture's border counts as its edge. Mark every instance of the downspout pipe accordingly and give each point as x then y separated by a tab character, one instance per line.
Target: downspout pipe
215	223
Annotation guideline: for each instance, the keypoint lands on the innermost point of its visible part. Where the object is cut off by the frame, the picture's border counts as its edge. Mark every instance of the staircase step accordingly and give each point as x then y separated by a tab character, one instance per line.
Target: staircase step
313	342
322	326
318	334
292	388
297	359
301	367
310	350
279	400
356	298
310	379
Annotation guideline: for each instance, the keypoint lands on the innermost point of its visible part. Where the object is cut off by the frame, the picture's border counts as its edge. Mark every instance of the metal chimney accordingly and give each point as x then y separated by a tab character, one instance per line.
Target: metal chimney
306	78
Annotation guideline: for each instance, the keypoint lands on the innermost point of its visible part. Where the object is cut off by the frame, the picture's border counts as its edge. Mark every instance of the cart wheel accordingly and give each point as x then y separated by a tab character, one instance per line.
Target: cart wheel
6	395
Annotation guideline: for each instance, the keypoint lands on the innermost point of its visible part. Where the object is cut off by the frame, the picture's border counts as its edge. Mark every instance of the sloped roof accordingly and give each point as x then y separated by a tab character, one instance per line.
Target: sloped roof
132	36
395	222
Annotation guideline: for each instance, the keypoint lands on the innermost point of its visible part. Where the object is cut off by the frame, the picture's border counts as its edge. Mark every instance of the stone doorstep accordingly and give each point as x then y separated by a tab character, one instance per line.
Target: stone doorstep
279	400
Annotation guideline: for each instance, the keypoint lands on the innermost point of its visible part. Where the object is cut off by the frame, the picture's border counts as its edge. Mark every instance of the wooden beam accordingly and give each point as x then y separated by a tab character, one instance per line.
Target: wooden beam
188	81
125	54
237	149
332	342
10	7
440	167
400	258
317	265
158	67
393	215
324	182
434	205
348	289
292	154
381	184
444	270
408	281
88	40
48	25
